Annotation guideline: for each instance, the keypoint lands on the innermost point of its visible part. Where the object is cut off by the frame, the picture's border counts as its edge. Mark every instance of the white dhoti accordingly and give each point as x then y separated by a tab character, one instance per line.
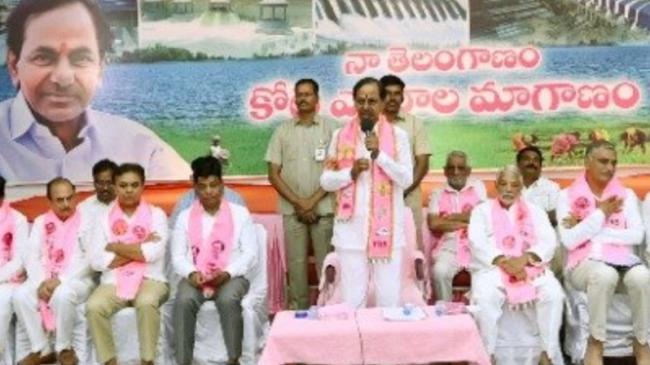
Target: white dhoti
600	281
7	291
64	303
489	294
357	274
445	268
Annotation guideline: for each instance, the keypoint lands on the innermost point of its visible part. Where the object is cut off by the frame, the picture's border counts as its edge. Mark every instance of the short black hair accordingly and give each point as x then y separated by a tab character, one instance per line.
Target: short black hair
599	144
3	182
389	80
311	82
205	166
129	167
56	181
104	165
17	22
535	149
366	81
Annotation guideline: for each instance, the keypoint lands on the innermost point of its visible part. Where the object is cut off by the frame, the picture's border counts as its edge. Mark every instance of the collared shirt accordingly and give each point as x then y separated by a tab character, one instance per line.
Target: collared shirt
243	256
419	141
153	252
543	193
78	269
353	234
293	147
29	152
21	248
449	240
481	235
592	227
188	198
92	207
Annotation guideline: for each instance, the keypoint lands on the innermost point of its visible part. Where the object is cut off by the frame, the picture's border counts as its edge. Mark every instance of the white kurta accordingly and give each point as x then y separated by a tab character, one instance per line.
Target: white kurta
350	237
153	252
8	270
543	193
445	265
243	256
76	284
487	288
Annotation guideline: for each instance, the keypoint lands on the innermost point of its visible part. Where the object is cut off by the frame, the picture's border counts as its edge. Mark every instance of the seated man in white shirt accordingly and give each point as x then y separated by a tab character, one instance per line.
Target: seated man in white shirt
56	55
98	203
369	175
214	249
59	277
129	243
449	210
537	189
512	242
14	232
600	224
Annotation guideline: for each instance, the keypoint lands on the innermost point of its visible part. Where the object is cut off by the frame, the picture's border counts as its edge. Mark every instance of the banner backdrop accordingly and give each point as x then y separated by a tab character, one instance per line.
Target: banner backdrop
487	76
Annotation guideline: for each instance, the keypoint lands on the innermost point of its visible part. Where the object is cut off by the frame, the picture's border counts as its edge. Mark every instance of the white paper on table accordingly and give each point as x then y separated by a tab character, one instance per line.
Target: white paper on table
397	314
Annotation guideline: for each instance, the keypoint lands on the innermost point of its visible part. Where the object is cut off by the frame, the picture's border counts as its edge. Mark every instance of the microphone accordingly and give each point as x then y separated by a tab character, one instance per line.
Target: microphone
366	126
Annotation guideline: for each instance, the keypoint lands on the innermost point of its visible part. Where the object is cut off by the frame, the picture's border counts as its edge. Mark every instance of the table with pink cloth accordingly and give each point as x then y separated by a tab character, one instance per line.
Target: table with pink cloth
276	264
369	339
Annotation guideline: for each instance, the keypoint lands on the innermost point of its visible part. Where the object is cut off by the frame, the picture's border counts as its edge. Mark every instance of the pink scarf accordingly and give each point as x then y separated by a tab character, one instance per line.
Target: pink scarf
8	235
211	255
583	203
380	237
468	200
330	293
59	241
131	275
514	241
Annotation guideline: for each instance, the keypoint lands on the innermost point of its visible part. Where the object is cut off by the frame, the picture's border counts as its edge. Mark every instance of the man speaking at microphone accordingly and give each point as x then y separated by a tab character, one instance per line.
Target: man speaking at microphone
369	165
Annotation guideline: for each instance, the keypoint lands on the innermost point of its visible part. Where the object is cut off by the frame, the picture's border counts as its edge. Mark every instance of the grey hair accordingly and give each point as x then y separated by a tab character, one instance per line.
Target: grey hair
457	153
510	169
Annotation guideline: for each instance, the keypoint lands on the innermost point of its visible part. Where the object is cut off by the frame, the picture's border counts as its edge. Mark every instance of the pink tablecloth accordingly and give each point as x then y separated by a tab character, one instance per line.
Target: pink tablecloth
308	341
434	339
276	267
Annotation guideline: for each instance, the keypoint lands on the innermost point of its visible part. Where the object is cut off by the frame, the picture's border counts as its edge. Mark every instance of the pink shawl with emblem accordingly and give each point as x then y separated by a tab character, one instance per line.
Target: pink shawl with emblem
380	235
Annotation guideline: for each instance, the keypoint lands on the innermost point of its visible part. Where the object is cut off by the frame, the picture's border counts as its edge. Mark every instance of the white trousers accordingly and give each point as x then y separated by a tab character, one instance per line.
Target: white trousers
6	312
357	274
445	267
489	294
64	303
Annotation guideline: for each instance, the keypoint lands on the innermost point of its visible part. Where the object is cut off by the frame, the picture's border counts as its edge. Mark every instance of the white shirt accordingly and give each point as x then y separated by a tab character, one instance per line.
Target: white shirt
449	240
78	268
92	207
543	193
645	210
153	252
21	248
243	256
30	153
592	227
482	241
353	234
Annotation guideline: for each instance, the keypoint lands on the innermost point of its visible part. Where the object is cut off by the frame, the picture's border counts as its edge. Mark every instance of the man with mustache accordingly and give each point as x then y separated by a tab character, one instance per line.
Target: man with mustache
14	231
600	225
59	277
537	188
214	250
449	210
369	165
419	140
512	242
56	55
295	157
97	204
